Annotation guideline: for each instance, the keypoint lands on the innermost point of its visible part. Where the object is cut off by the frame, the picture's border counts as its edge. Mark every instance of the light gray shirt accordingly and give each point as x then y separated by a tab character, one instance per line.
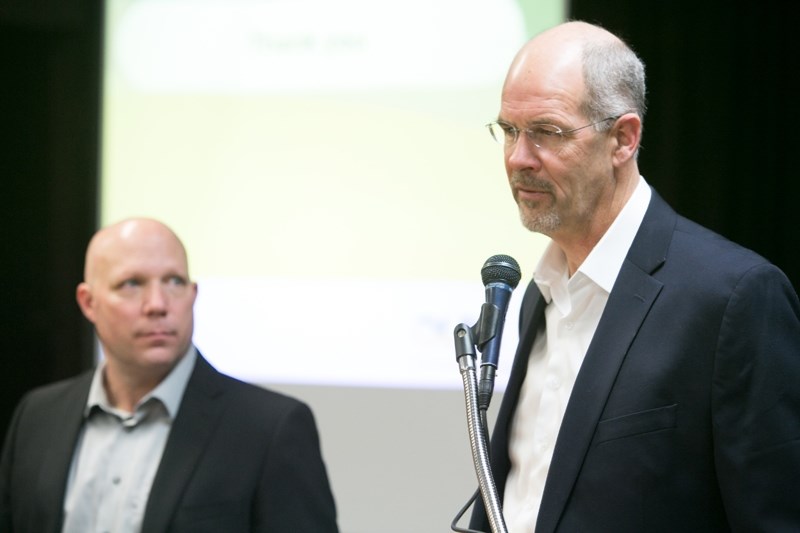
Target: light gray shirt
118	453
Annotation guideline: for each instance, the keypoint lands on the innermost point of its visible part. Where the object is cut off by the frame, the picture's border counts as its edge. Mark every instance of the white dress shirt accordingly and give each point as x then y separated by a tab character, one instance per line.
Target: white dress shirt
118	453
574	307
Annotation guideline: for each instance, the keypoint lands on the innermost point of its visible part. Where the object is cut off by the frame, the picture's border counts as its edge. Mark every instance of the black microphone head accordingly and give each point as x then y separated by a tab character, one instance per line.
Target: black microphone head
501	268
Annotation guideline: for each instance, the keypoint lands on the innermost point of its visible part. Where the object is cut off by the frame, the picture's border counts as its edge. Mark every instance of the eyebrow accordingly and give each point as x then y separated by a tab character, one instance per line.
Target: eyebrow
535	122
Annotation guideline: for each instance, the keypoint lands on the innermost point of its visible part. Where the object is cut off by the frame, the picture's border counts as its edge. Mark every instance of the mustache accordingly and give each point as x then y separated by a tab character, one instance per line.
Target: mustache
526	181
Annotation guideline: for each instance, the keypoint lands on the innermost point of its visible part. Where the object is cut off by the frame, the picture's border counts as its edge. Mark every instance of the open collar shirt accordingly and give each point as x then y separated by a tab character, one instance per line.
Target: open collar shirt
574	307
118	453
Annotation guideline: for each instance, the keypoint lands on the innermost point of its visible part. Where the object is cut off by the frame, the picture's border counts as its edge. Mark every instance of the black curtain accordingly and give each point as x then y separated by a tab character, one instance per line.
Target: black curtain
49	112
721	128
718	140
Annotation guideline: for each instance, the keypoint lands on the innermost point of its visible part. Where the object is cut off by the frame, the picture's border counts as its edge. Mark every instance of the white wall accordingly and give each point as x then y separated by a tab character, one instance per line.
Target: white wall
399	459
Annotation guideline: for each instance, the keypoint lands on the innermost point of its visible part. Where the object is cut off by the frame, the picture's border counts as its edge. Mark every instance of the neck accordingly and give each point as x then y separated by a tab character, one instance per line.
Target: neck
578	243
125	388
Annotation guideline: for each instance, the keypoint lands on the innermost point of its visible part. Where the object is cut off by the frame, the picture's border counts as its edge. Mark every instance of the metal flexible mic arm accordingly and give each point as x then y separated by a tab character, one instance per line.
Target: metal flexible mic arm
465	355
500	275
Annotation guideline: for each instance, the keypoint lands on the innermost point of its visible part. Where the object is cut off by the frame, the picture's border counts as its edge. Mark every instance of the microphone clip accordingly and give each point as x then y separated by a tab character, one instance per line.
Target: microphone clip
469	338
487	326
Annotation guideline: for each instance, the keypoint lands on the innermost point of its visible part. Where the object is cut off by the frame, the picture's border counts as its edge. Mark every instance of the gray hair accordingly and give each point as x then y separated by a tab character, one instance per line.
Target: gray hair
615	81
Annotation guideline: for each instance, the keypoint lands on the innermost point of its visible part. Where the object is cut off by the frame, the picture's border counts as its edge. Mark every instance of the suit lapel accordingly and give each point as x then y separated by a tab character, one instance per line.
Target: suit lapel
628	305
65	426
192	427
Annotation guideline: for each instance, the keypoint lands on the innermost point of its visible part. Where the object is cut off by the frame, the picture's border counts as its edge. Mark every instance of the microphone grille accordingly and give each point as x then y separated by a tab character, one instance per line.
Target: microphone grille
501	268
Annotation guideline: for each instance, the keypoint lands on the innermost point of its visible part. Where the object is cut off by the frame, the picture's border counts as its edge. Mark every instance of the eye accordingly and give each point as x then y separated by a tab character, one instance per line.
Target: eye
509	132
130	283
545	136
546	130
503	133
177	281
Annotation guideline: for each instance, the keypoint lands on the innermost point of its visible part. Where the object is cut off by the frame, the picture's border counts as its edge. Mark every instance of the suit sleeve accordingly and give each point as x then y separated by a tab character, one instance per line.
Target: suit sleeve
756	403
5	475
294	493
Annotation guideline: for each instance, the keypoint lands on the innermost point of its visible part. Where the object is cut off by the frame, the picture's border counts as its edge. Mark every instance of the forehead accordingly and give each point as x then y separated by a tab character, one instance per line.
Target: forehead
138	252
542	85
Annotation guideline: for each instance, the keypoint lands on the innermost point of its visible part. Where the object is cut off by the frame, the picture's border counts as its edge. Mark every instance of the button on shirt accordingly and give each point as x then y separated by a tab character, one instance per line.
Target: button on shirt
574	307
118	454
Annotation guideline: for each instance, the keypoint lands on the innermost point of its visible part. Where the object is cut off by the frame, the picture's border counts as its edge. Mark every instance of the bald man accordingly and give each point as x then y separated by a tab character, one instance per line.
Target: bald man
155	439
656	384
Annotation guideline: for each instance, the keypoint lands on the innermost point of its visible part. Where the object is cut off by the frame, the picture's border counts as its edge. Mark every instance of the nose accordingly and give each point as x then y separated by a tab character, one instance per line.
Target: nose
522	154
155	300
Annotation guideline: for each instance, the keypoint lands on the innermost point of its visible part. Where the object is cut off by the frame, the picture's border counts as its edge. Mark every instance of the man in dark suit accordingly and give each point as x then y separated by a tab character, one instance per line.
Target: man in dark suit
155	439
656	385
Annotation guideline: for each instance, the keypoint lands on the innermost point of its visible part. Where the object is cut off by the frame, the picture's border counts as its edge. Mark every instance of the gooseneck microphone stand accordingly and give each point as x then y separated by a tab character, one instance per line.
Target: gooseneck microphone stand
500	274
476	425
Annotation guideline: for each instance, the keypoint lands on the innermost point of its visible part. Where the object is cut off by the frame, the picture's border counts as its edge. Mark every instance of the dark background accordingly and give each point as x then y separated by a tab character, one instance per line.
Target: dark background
719	135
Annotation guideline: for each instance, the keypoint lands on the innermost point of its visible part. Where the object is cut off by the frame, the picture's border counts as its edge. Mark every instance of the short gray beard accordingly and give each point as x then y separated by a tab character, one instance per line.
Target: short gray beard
545	223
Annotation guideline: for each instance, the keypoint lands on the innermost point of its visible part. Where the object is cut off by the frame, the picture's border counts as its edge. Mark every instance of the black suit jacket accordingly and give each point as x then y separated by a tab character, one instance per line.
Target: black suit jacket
238	458
685	415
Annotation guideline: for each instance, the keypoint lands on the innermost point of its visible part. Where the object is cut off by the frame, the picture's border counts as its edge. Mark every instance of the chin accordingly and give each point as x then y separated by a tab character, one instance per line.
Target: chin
545	223
163	356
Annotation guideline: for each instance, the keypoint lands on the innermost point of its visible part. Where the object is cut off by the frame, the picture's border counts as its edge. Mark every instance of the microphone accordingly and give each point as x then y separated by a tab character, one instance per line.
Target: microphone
500	275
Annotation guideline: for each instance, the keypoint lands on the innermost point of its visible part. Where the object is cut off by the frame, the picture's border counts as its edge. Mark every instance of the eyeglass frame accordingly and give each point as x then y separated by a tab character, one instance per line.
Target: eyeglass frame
506	127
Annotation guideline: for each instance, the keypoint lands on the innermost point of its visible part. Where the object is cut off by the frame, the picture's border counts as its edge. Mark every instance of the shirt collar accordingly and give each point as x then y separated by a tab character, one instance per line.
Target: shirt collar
169	392
604	262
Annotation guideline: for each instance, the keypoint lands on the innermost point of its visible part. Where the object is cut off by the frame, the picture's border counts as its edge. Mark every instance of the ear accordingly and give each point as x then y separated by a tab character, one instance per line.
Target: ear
83	294
627	132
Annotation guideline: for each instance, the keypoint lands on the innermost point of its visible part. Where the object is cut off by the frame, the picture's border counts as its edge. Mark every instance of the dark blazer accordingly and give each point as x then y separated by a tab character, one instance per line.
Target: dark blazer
685	415
238	458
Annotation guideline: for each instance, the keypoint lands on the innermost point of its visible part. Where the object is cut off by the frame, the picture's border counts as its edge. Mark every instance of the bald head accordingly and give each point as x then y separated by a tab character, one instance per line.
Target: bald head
133	235
559	48
600	72
572	33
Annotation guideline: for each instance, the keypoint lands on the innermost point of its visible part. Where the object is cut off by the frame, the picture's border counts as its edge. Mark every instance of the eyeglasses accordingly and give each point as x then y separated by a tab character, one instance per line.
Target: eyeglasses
545	136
